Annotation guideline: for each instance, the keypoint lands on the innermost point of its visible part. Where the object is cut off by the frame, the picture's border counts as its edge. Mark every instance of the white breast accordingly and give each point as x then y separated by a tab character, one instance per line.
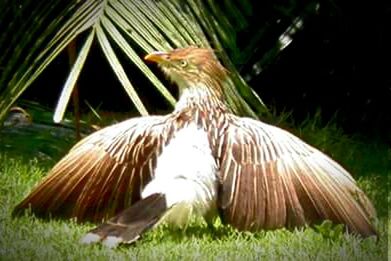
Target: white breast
186	173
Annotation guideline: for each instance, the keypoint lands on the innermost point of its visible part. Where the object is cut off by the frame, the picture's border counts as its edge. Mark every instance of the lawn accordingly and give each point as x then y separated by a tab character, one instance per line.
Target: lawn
30	238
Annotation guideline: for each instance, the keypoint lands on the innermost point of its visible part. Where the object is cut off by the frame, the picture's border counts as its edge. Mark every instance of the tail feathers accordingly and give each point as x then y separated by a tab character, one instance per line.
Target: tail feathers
130	224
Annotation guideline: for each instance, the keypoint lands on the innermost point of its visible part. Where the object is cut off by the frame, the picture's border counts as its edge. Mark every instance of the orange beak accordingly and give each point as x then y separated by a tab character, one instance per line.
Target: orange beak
156	57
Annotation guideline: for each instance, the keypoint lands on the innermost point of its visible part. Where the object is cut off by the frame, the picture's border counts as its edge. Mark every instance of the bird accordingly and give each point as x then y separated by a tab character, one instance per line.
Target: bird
200	160
17	117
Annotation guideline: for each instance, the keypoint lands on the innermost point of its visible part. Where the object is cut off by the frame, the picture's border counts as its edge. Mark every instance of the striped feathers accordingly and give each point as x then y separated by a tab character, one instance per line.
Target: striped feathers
103	173
272	179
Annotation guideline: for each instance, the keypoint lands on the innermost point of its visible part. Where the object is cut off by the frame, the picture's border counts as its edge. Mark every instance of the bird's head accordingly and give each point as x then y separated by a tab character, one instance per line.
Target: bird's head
190	66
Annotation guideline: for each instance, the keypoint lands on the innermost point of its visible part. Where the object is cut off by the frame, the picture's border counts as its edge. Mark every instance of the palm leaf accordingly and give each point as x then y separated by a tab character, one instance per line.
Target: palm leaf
130	24
72	78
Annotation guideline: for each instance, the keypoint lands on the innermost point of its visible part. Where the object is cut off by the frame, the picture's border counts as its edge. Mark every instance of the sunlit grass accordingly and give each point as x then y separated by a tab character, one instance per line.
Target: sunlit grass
29	238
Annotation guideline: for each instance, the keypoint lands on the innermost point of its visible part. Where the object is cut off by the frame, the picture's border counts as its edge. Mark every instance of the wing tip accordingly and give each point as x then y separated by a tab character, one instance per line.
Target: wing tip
21	208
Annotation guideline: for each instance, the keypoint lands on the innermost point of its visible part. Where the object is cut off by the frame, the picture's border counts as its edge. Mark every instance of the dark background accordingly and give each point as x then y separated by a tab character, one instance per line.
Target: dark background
336	63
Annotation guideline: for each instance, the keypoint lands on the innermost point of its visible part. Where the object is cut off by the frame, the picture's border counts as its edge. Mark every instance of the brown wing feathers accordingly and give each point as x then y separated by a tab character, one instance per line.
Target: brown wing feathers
285	182
102	174
269	178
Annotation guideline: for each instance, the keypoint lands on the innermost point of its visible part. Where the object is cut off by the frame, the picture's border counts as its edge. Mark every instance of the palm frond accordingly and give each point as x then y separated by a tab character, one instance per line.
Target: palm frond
72	78
132	25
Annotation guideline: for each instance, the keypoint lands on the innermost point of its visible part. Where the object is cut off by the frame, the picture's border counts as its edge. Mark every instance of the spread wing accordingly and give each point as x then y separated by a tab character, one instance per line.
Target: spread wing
272	179
102	174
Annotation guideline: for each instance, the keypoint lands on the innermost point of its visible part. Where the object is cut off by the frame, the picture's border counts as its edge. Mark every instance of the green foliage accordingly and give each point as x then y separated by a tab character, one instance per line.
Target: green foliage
41	138
329	230
38	33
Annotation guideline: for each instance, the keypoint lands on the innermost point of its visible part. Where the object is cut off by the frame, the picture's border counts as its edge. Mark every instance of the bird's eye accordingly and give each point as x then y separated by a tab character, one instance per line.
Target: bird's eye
183	63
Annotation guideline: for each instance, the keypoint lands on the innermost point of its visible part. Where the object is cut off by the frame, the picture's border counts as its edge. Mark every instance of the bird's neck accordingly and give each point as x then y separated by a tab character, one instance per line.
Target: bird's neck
201	96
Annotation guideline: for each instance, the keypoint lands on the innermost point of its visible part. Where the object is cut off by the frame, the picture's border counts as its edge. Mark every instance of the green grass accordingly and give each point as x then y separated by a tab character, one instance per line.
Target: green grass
30	238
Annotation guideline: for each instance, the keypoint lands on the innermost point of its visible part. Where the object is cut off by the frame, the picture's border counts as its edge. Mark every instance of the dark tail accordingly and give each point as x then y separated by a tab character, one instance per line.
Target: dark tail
131	223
